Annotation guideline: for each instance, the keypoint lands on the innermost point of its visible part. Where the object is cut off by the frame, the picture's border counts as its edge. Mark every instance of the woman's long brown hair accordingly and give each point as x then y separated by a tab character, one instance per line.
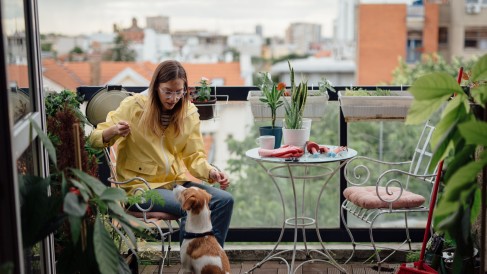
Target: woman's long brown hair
152	116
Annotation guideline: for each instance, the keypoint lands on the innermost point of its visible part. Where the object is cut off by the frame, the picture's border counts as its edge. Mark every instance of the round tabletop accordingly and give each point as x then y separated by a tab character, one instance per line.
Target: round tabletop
307	158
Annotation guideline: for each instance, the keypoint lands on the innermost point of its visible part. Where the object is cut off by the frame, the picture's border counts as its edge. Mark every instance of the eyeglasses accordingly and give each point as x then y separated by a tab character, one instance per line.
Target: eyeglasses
170	94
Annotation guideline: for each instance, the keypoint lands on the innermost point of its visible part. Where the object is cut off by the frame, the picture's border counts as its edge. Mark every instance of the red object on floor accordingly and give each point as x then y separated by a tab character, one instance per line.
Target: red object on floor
418	267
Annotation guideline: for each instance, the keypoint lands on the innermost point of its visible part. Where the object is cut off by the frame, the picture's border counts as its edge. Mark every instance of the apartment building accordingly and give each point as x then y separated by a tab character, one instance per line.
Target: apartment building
387	32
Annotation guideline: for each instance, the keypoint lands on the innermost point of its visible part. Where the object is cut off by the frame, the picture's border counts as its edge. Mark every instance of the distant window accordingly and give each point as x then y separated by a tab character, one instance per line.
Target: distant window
443	36
483	3
414	50
414	46
476	37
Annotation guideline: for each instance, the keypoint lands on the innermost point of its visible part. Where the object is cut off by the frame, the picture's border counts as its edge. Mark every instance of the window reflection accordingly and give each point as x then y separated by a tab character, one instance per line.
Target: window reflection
26	166
17	66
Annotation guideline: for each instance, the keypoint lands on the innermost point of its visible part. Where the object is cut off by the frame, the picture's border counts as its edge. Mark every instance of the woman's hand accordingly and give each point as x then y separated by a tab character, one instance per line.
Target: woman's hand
122	128
220	177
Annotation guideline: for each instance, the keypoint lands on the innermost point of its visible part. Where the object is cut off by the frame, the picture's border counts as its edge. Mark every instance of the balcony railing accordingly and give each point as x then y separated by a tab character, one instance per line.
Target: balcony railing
257	212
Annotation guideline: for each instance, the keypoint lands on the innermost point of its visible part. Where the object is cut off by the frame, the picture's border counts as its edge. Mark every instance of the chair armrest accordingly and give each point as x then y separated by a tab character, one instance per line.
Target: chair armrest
358	169
136	190
397	180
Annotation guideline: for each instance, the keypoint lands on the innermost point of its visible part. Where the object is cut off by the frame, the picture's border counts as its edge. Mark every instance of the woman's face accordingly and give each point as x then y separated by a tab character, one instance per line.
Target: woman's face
170	93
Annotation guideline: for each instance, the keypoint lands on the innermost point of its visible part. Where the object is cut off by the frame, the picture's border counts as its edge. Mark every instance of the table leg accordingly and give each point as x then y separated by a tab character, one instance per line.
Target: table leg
272	254
326	253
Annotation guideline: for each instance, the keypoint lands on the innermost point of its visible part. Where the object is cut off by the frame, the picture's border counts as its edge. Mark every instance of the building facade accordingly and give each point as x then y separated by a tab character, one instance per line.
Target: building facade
450	28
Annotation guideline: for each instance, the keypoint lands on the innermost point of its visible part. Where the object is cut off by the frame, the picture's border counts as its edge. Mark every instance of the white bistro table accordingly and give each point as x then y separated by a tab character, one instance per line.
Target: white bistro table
290	170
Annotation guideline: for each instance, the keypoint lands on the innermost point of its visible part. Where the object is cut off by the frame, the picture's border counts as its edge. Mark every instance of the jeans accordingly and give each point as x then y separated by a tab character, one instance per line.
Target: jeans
221	206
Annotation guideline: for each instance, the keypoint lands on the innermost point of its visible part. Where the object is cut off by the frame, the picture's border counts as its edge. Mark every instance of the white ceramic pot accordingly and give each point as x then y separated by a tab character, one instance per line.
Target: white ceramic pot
295	137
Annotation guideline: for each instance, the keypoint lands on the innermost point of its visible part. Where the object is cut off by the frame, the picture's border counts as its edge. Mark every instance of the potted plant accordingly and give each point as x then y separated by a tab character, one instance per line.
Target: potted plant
316	102
377	104
293	131
459	140
204	101
272	98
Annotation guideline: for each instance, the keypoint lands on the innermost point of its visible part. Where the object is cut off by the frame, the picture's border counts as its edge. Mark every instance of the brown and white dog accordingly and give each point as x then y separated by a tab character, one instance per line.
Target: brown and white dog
200	251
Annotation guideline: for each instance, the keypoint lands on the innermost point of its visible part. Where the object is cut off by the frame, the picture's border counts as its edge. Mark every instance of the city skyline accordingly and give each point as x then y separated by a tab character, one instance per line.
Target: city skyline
92	16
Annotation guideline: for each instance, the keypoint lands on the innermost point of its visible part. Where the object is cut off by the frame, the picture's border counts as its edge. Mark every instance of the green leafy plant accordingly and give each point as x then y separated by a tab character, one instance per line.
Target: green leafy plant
55	102
324	85
458	137
203	91
72	203
272	94
78	210
294	110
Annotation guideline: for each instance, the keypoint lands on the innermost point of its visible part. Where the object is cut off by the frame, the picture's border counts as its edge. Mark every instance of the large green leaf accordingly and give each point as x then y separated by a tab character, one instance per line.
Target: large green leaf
462	180
94	183
106	252
84	191
444	128
75	225
474	132
456	106
436	85
45	141
114	194
420	111
115	207
73	205
131	221
441	150
476	206
446	214
480	95
479	70
464	155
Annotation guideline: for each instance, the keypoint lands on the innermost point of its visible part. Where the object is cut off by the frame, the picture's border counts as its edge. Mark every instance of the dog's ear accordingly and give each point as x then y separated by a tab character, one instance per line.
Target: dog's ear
188	202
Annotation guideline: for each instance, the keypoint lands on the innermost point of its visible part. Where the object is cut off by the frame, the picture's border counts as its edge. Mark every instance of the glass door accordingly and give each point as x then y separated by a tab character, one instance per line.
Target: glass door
21	152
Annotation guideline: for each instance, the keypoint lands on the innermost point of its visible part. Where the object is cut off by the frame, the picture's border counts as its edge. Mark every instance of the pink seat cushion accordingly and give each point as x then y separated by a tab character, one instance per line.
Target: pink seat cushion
366	197
154	215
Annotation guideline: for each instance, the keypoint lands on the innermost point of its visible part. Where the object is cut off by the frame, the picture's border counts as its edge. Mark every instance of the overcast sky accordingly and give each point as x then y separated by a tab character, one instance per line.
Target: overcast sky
223	16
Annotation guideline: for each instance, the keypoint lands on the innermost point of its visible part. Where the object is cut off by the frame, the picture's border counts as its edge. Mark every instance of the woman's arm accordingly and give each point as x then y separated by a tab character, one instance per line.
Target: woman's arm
115	126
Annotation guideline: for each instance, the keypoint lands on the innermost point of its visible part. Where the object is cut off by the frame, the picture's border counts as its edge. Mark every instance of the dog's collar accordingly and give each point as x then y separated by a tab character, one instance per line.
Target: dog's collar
189	235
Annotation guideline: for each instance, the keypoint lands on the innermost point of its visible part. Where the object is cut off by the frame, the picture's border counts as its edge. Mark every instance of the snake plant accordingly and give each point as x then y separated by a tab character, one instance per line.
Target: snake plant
295	109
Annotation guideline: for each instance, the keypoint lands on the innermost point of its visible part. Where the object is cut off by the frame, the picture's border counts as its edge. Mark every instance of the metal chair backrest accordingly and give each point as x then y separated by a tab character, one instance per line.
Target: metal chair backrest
422	156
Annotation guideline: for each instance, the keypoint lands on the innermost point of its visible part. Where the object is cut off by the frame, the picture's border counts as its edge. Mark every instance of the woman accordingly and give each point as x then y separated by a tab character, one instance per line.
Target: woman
159	139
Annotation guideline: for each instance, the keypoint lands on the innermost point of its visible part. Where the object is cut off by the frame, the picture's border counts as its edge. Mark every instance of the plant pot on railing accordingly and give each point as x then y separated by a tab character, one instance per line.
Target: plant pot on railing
365	105
315	105
206	109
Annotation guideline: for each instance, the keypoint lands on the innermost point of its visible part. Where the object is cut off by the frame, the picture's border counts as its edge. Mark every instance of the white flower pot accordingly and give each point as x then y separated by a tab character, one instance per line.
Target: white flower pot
295	137
393	107
315	105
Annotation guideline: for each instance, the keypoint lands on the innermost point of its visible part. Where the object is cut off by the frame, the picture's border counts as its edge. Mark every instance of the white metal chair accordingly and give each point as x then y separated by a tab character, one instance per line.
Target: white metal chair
391	193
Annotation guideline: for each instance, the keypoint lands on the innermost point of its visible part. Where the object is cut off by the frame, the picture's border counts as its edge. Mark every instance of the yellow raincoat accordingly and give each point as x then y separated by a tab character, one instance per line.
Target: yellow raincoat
159	160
